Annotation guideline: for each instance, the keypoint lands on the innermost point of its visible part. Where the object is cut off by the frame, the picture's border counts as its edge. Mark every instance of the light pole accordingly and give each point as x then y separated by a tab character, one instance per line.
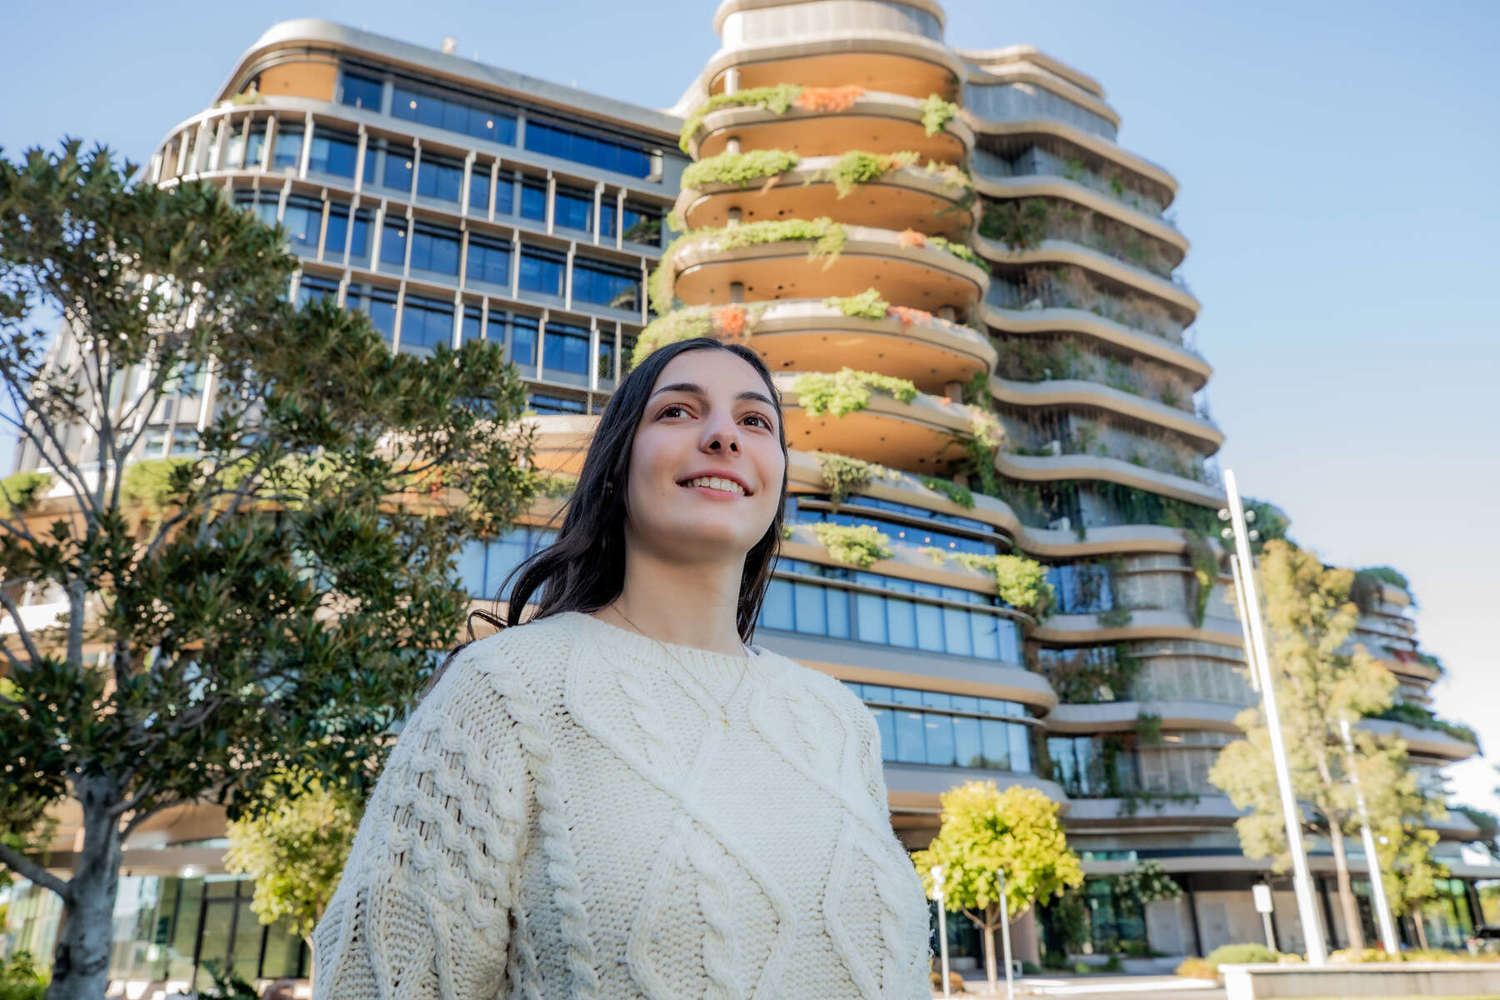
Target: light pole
1372	861
1010	982
1260	664
937	891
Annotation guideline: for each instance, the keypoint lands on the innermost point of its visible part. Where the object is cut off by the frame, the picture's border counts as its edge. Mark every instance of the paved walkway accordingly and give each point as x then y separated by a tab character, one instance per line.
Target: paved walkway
1098	987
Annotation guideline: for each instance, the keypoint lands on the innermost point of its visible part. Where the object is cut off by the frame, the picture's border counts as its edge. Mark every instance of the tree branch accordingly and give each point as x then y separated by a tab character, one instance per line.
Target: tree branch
21	630
28	869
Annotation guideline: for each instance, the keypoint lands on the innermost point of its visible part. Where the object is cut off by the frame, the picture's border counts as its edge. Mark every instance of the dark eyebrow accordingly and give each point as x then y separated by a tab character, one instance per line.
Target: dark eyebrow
695	389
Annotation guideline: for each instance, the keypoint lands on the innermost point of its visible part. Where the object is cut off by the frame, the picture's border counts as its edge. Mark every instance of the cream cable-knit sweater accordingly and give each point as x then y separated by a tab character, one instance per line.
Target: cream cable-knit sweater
565	816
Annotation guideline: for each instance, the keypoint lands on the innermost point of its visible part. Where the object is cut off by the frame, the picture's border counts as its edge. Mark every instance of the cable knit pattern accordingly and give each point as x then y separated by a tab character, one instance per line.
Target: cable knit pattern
566	816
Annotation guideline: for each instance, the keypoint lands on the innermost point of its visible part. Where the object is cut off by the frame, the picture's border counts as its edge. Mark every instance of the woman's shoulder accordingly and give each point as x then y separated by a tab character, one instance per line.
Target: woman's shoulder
510	662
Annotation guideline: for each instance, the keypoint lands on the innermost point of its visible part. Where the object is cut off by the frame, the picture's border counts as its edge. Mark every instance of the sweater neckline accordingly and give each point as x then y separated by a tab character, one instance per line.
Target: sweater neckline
692	657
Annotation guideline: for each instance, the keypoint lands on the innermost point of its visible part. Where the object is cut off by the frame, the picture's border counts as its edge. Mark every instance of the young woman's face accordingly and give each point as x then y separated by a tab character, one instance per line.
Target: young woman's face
706	465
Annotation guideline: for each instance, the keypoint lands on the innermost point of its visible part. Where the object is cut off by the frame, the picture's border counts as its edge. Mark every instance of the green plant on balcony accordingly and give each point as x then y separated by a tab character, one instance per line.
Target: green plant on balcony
846	391
937	555
866	305
1019	224
859	545
950	173
856	167
937	113
977	447
1115	617
826	236
1422	718
960	495
739	169
961	251
845	476
21	491
732	322
1203	556
1092	675
778	100
1019	582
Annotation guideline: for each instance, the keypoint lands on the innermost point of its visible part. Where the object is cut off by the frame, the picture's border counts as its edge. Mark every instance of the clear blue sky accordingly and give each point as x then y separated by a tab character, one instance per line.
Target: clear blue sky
1337	163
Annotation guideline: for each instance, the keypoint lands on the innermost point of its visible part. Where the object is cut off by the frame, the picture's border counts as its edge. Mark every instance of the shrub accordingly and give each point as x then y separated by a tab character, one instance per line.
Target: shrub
856	167
961	251
866	305
683	324
20	979
846	391
21	491
845	476
960	495
778	100
859	545
955	981
1239	954
936	113
1019	582
1198	968
739	168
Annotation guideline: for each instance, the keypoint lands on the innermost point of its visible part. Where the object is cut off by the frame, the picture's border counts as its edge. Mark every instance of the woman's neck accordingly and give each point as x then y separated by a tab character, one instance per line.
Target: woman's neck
687	605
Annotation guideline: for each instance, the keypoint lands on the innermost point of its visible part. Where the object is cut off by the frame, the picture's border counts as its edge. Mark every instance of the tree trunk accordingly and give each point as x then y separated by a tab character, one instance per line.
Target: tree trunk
80	966
1416	918
1347	903
987	928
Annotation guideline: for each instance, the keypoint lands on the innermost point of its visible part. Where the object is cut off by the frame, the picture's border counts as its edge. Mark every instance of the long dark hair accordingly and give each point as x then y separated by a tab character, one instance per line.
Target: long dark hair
584	569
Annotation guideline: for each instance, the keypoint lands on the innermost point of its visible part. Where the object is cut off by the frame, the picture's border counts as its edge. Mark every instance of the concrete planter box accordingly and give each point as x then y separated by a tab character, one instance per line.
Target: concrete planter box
1428	979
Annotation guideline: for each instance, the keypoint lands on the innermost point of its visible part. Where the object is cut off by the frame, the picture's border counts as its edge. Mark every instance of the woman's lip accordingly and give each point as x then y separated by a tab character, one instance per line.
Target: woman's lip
718	474
713	492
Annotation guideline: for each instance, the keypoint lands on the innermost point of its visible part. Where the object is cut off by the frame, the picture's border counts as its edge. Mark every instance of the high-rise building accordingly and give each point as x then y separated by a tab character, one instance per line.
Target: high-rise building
968	291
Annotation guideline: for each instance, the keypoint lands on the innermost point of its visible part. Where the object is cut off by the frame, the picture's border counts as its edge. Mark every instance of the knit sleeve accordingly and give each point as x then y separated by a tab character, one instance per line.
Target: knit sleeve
422	911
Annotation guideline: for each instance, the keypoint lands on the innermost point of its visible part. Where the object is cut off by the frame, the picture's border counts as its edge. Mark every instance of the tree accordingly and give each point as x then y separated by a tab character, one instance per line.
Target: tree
1320	680
272	602
294	848
986	832
1409	871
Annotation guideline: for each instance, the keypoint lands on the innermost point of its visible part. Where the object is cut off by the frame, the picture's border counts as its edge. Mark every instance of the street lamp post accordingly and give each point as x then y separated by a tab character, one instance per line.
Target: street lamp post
1372	860
1260	664
1010	981
937	890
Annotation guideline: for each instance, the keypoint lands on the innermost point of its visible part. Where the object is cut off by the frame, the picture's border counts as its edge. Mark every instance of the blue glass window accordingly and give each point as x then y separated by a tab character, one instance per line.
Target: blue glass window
523	337
359	240
642	225
604	360
608	216
380	303
574	210
255	145
427	107
542	271
434	249
439	177
542	403
567	349
505	193
473	326
484	566
393	244
313	286
935	728
489	260
1081	588
338	231
573	144
264	204
398	169
288	147
479	187
303	221
606	284
534	200
359	91
425	323
333	153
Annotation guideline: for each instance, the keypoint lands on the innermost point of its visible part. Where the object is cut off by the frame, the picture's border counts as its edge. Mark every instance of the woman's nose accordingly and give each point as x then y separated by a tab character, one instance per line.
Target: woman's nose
723	437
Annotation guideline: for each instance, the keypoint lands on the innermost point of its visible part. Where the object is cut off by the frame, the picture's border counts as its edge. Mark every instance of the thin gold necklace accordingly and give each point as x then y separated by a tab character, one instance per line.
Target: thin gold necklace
723	708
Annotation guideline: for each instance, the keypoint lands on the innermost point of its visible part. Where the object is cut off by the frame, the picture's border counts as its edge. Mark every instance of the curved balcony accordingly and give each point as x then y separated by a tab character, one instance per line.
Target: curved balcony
1195	813
1008	137
1051	251
1062	188
1144	623
1041	468
903	198
904	274
766	45
1122	716
1423	741
917	787
810	335
913	436
876	122
1053	319
1201	433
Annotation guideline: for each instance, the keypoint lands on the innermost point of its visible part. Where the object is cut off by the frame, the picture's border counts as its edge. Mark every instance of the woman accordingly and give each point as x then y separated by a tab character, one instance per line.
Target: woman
623	798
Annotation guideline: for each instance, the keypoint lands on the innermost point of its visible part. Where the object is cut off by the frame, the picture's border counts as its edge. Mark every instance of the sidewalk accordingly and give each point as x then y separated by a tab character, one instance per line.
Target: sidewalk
1097	986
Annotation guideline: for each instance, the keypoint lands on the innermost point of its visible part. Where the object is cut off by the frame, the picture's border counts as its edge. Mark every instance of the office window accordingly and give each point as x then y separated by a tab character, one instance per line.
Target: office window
380	304
185	441
398	169
264	204
642	224
303	221
393	245
288	146
505	193
604	358
606	284
545	403
434	249
489	260
425	323
428	107
255	144
534	199
440	177
542	271
314	286
333	153
337	234
359	91
484	566
359	239
574	209
567	349
564	142
473	325
523	339
479	187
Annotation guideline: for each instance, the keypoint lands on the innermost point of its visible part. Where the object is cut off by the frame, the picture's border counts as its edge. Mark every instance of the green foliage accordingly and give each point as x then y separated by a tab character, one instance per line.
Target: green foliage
1019	224
1203	556
279	605
1115	617
1385	574
960	495
738	169
961	251
556	485
227	984
846	391
1423	718
21	491
778	100
1240	954
21	978
855	168
860	545
1489	828
669	328
1148	882
1092	675
866	305
845	476
977	449
293	845
828	238
986	832
1148	729
1019	582
937	113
